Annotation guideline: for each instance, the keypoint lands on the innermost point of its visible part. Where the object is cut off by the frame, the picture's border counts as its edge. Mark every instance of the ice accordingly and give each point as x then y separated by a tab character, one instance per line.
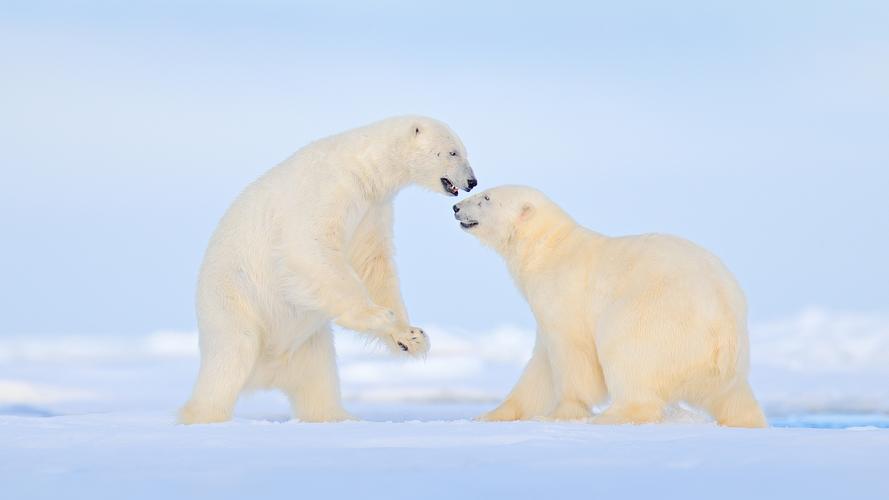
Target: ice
145	456
93	417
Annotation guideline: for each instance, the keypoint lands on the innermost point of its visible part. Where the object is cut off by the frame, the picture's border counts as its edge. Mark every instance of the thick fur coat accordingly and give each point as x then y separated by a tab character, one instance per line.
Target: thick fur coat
645	321
308	243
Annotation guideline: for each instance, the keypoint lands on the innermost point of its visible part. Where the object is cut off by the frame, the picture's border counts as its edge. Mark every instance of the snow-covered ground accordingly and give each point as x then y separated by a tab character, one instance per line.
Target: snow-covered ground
88	417
144	456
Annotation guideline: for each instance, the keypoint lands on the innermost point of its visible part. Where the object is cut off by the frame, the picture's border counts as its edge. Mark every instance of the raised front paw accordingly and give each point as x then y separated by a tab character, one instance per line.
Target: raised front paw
411	340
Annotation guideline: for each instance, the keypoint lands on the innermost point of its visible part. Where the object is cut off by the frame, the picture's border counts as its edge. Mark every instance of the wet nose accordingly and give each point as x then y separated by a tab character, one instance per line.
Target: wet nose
471	183
456	209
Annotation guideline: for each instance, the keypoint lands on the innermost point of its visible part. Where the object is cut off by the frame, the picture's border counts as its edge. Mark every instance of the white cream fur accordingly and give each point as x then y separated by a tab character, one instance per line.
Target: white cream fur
308	243
647	321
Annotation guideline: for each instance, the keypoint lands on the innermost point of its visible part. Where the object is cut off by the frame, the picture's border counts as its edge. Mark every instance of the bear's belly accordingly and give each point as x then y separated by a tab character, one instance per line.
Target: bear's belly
289	327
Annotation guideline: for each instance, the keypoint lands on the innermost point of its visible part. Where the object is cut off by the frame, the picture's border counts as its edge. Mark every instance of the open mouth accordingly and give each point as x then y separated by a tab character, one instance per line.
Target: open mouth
449	186
468	224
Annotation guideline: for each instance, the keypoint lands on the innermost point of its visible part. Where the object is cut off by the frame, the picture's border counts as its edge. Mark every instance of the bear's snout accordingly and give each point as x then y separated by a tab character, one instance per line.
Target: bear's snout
471	183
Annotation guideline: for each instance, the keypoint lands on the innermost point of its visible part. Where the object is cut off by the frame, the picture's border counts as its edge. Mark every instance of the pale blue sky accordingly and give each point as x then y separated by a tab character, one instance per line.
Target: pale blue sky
759	130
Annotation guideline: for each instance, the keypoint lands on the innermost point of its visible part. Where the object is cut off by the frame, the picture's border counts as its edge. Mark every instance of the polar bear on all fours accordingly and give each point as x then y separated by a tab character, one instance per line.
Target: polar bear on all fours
308	243
646	320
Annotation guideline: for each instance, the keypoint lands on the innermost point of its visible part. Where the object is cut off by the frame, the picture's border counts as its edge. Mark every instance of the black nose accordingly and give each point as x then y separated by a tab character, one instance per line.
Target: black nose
472	183
456	209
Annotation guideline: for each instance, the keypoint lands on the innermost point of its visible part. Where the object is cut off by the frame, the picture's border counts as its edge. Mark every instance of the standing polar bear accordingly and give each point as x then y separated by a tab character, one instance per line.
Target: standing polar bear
308	243
648	320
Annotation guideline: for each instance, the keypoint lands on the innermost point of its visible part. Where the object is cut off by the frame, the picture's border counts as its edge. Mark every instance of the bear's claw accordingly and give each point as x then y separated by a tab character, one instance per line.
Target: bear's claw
413	341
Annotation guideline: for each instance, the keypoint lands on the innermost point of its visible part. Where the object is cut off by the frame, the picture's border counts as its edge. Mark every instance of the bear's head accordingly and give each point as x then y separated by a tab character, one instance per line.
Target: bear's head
437	158
496	215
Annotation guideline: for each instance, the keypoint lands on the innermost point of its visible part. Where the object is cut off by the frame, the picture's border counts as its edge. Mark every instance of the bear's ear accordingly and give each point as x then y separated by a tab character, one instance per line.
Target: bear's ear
526	212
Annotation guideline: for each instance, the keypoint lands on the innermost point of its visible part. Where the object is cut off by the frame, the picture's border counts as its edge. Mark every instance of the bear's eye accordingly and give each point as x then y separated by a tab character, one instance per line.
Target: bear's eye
487	198
453	153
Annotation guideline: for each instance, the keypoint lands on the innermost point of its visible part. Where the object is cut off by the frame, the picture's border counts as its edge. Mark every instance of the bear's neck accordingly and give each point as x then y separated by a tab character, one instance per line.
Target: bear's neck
383	172
383	184
535	248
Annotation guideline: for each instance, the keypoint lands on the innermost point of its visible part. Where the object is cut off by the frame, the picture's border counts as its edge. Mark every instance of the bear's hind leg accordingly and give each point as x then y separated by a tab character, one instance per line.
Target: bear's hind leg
310	380
227	359
737	408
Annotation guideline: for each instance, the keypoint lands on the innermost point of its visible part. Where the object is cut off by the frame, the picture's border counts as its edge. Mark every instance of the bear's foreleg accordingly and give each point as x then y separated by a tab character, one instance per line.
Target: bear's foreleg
330	285
578	382
371	257
532	395
334	288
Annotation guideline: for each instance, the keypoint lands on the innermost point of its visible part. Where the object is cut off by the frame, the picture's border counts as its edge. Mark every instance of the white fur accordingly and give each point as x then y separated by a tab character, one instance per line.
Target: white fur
648	320
308	243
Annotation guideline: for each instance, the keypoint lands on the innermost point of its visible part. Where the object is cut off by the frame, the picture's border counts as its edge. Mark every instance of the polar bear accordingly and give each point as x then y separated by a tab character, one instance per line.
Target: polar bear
308	243
648	320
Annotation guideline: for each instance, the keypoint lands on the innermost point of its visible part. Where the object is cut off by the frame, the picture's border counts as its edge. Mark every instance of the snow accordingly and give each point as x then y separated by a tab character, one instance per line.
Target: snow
92	417
144	456
817	361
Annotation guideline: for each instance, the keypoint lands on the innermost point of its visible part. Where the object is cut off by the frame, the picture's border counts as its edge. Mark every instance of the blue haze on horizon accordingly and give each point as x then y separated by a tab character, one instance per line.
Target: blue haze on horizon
758	129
